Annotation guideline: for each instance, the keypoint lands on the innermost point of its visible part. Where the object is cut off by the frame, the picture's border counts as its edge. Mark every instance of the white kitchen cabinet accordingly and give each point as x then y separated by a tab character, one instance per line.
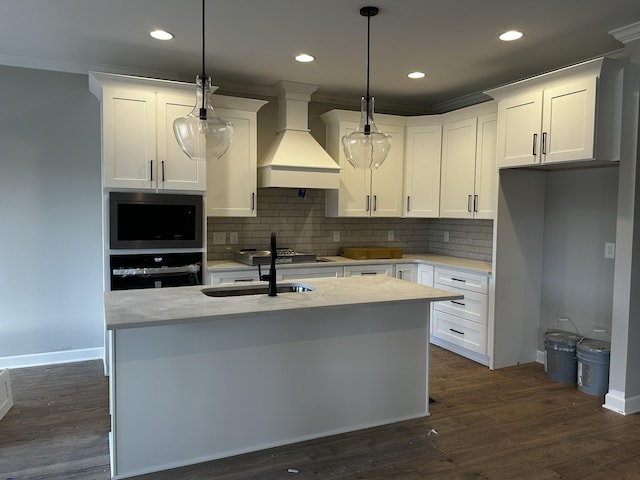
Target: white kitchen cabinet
242	275
297	273
366	193
368	270
569	115
425	275
462	325
469	177
232	179
422	166
407	271
139	149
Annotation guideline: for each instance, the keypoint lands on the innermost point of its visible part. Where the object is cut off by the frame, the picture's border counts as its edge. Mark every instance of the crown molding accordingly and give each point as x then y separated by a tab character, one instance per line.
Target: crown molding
627	34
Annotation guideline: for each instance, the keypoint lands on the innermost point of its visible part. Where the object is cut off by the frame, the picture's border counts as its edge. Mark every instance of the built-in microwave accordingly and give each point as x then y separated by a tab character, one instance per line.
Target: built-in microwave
154	220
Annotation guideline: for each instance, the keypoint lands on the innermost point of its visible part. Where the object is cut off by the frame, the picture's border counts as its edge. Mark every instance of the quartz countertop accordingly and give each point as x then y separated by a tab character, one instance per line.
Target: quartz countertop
162	306
476	266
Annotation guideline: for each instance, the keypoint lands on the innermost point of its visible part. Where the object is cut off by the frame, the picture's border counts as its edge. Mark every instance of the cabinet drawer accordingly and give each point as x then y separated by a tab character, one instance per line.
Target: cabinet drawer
472	307
309	272
233	277
365	270
462	280
458	331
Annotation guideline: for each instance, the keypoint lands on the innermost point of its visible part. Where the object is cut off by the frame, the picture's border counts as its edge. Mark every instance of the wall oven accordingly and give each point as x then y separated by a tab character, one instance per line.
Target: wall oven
144	220
155	270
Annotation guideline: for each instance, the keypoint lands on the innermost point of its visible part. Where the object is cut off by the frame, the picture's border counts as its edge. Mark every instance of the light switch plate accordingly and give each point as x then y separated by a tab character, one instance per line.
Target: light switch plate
609	250
219	238
233	238
336	236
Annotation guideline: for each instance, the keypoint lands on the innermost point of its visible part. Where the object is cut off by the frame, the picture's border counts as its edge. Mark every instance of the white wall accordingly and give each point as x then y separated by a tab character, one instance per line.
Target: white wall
577	281
50	218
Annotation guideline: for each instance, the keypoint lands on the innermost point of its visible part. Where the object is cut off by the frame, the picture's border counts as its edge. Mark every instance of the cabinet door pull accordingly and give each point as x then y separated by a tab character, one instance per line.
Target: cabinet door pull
151	169
469	203
237	280
400	274
162	164
535	142
544	143
367	203
475	203
457	303
457	331
408	204
253	200
368	273
375	203
458	279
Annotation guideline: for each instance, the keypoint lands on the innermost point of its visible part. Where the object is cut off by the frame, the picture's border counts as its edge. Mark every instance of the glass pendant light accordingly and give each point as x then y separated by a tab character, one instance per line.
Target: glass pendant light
203	135
367	147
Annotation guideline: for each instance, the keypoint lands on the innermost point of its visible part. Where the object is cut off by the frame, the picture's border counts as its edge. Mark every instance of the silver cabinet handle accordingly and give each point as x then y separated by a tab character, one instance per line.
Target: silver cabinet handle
544	143
368	201
253	200
469	203
475	203
408	204
535	142
375	203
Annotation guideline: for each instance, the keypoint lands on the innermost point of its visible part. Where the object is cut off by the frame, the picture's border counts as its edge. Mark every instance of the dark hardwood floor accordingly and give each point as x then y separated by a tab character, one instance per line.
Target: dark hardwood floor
507	424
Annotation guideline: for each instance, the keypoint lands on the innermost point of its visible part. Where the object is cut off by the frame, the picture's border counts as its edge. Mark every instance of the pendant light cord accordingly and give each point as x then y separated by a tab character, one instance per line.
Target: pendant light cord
369	12
203	109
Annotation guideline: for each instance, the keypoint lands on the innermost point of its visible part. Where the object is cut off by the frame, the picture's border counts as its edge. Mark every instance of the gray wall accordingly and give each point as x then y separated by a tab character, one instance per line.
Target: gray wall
577	281
50	214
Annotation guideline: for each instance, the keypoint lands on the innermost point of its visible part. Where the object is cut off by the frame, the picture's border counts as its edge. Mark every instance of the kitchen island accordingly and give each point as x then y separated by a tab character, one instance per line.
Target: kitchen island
196	378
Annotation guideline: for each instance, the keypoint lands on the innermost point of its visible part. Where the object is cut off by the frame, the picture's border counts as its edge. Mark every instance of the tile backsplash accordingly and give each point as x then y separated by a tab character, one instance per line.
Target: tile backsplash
300	223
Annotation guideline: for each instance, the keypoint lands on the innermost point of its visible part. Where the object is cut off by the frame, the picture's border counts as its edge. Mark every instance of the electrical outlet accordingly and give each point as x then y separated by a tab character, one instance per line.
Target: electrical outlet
336	236
446	236
390	235
609	250
233	238
219	238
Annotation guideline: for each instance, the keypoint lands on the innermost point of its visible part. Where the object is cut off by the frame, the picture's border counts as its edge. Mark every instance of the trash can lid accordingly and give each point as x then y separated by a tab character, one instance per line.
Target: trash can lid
594	345
561	337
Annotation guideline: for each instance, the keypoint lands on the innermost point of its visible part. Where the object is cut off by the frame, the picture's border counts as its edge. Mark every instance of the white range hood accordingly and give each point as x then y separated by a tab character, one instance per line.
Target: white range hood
295	159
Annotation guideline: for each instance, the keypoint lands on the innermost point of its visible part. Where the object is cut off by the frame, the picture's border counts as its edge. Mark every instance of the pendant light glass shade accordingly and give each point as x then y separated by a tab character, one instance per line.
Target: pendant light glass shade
202	134
366	147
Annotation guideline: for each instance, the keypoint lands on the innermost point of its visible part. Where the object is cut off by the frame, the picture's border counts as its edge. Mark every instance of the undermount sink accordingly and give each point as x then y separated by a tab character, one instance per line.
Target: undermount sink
235	290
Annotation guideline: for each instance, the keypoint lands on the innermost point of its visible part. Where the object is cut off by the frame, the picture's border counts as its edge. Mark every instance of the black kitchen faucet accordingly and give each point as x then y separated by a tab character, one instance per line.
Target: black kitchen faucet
271	278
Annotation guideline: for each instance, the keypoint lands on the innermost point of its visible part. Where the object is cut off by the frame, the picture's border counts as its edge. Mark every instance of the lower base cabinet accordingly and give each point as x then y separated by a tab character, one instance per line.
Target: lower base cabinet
461	325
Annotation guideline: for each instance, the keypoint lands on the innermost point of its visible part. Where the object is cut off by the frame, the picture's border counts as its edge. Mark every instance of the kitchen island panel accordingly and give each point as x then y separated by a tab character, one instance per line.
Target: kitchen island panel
197	391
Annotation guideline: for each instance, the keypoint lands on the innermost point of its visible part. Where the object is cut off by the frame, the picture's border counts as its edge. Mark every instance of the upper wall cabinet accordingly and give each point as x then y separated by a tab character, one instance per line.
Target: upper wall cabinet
570	115
422	166
139	149
469	177
365	193
232	179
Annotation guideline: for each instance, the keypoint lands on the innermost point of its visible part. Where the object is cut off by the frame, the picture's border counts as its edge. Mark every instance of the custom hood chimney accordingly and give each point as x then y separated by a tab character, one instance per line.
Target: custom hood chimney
295	159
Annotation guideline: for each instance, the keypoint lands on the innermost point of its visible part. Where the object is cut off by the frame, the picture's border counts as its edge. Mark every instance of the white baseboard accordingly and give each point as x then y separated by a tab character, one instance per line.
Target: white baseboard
50	358
615	401
6	395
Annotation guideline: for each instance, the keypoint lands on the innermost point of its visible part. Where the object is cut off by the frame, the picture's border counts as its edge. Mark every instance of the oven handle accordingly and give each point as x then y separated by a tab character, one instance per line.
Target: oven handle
152	271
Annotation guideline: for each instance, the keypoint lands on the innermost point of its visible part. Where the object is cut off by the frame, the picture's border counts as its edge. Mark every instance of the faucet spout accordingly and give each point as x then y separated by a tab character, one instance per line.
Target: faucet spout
272	290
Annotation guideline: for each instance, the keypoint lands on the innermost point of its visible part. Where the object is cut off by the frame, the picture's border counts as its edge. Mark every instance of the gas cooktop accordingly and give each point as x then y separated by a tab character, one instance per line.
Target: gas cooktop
262	257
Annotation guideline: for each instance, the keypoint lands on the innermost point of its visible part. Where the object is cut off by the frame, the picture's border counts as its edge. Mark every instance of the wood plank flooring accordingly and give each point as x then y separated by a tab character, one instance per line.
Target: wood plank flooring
507	424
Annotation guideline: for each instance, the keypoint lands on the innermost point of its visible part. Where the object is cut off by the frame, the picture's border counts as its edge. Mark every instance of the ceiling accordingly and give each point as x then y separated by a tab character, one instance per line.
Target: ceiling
251	43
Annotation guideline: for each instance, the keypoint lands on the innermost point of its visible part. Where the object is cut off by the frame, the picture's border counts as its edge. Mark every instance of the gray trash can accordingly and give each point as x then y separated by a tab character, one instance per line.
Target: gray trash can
560	363
593	366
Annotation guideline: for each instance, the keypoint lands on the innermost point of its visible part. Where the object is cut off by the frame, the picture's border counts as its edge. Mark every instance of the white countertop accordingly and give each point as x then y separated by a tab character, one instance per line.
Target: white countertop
477	266
160	306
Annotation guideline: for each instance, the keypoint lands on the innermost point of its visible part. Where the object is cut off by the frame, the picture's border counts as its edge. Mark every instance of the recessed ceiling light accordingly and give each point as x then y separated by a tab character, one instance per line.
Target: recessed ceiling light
416	75
161	35
510	36
305	58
